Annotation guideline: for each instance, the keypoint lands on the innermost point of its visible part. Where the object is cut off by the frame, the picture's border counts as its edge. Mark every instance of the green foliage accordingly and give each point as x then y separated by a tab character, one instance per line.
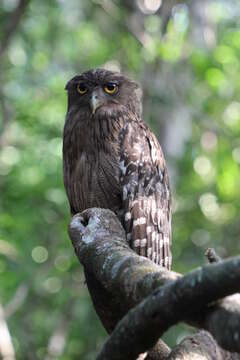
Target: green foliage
55	40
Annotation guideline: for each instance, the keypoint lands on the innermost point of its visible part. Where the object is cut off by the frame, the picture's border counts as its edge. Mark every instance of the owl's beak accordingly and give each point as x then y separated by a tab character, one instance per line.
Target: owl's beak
95	102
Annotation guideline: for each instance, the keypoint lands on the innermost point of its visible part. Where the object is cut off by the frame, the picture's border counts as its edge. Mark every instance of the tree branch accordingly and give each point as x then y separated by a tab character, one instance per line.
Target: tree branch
175	302
14	20
16	301
100	245
6	347
200	346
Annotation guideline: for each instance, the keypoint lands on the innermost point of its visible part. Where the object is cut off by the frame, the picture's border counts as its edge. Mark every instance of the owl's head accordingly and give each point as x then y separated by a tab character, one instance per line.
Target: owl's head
103	92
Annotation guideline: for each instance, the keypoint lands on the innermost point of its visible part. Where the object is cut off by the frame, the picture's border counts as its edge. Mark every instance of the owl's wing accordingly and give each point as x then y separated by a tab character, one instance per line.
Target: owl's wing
145	194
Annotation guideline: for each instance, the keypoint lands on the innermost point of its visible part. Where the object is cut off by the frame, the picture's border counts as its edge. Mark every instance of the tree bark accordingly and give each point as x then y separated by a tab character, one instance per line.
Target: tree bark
118	279
201	346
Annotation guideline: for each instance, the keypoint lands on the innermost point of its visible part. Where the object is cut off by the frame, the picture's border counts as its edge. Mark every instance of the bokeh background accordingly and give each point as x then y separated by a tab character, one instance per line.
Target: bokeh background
186	55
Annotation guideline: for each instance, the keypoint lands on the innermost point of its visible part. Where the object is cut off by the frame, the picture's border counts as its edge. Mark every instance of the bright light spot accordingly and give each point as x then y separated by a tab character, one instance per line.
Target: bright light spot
209	140
62	262
112	65
152	23
9	156
216	78
209	36
209	205
234	37
8	249
225	55
149	50
202	165
56	195
228	182
236	154
52	285
200	237
171	50
227	213
180	17
149	6
218	10
231	115
55	146
40	254
17	55
9	5
57	343
6	341
31	176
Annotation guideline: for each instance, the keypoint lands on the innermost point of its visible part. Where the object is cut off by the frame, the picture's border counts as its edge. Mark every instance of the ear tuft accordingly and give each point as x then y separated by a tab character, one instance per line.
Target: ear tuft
68	85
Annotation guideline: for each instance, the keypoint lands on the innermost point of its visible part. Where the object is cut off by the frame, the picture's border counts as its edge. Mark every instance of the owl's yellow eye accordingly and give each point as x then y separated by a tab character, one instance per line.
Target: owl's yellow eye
110	88
81	88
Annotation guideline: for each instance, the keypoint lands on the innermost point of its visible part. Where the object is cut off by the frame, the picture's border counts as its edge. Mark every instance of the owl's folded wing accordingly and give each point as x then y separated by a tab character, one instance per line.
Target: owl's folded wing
145	194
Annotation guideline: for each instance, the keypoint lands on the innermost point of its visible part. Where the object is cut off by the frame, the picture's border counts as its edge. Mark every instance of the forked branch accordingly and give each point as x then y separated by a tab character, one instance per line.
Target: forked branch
164	298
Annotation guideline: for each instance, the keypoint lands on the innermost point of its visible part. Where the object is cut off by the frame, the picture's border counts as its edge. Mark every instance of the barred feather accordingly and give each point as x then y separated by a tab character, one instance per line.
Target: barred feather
112	160
146	195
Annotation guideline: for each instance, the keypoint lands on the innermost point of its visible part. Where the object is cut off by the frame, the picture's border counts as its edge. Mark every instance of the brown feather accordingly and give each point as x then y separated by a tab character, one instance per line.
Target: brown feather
112	160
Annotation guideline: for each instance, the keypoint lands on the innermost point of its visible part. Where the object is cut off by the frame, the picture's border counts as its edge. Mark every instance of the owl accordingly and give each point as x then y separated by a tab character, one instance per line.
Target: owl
112	160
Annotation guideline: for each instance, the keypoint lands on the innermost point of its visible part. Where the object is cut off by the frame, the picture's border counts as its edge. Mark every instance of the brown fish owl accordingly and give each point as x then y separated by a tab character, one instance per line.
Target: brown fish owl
112	160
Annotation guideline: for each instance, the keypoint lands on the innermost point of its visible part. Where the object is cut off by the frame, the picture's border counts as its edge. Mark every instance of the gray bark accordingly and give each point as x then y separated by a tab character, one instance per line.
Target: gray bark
118	280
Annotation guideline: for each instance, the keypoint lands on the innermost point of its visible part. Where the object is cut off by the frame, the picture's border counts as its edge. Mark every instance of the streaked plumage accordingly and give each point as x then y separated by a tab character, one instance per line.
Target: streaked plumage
112	160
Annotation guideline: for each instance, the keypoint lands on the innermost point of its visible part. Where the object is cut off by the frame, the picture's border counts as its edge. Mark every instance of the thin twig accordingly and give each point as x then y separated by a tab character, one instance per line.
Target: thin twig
17	300
212	256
